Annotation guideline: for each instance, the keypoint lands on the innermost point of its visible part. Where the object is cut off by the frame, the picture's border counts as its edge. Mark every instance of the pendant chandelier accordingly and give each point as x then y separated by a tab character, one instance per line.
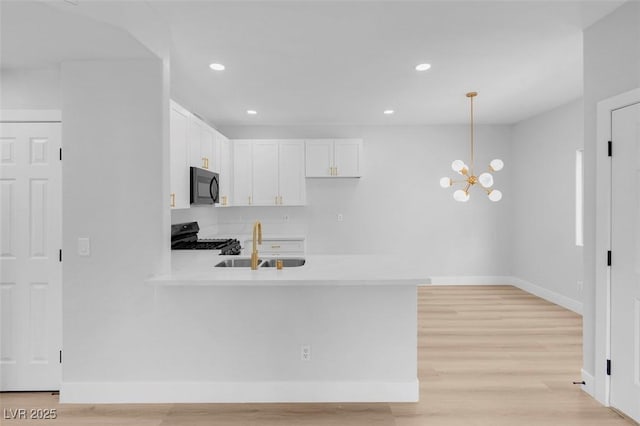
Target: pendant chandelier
468	178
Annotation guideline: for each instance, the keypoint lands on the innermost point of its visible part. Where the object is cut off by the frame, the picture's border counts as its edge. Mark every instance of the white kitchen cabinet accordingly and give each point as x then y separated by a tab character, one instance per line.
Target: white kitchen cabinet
333	157
265	173
278	246
291	183
225	169
242	173
201	143
268	172
179	156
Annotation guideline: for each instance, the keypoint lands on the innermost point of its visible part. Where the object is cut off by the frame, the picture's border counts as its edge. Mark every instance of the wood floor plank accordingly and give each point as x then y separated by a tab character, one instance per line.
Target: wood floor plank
487	356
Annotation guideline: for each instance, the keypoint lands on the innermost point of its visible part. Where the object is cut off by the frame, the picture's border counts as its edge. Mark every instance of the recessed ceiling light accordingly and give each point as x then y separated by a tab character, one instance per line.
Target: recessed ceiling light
252	112
217	67
423	67
389	111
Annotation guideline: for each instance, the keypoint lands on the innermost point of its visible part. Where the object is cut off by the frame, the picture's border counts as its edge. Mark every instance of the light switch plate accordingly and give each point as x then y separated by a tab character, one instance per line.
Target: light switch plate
84	246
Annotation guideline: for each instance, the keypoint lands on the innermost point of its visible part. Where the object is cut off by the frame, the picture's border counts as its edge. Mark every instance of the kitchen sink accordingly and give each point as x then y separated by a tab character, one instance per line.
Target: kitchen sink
236	263
286	263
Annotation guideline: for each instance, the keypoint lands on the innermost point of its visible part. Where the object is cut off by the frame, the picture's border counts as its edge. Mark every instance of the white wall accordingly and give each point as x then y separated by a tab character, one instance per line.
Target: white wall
543	246
398	205
30	88
112	114
611	66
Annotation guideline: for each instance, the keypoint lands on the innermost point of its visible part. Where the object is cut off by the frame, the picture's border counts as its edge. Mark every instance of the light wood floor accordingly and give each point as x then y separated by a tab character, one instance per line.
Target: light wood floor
490	355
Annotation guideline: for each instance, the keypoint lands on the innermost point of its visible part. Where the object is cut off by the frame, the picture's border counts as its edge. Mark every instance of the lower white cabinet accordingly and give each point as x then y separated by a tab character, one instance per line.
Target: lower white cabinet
268	172
278	246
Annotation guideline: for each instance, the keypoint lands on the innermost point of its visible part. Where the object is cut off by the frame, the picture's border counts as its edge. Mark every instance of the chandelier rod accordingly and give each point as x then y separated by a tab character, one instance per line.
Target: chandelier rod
471	95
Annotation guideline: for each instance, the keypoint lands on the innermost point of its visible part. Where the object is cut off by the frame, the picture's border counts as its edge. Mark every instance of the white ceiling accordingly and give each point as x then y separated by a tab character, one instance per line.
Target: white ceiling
344	62
335	62
35	35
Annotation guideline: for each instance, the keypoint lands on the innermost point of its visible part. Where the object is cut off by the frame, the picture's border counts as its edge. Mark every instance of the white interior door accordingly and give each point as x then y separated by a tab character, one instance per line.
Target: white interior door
625	265
30	268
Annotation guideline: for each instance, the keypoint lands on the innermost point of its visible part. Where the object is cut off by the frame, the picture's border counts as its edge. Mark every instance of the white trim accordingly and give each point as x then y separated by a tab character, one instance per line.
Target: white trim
542	292
471	280
589	383
30	115
237	392
603	240
548	295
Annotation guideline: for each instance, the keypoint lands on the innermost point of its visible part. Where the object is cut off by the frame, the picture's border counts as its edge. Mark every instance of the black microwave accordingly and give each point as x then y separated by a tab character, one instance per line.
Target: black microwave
205	186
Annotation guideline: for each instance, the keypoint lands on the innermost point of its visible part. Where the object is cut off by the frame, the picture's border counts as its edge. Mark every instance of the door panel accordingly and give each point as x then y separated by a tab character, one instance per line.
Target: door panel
265	172
319	157
347	157
291	172
242	173
625	267
30	270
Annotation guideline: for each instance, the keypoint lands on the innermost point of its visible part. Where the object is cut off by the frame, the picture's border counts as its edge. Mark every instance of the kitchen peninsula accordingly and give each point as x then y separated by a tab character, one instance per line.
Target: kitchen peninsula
340	328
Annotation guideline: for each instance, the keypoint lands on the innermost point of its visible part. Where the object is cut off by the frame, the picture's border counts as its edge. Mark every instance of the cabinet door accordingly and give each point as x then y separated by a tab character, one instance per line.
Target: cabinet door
216	152
347	157
179	157
194	141
291	172
225	171
265	172
319	157
207	147
242	173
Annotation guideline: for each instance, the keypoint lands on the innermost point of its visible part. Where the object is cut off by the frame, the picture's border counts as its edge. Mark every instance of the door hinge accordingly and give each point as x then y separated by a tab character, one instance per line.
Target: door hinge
60	154
608	367
60	255
609	258
61	356
609	148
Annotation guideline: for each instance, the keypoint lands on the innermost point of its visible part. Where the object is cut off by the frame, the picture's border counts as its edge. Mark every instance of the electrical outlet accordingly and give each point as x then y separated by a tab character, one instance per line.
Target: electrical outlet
340	217
580	285
305	352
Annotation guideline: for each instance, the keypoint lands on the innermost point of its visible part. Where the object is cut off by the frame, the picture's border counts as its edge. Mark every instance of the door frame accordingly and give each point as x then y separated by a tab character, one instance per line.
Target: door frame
602	381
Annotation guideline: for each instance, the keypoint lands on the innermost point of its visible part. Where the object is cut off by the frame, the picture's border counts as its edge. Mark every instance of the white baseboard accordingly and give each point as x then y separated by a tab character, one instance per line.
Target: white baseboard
589	383
230	392
551	296
471	280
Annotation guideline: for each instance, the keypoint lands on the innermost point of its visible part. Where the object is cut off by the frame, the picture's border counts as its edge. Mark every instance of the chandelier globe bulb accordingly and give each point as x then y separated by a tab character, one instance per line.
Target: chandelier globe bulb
496	165
445	182
486	180
461	195
495	195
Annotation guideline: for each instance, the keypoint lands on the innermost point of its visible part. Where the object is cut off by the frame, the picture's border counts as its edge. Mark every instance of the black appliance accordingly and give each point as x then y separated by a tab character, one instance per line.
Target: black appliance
184	236
205	186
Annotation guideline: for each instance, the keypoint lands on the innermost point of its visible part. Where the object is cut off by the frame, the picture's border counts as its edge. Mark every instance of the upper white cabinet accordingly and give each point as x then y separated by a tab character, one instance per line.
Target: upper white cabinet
291	184
202	144
333	157
268	172
194	143
224	167
179	156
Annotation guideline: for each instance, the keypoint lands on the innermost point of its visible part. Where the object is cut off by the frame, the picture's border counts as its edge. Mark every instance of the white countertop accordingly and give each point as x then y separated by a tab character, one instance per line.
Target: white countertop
196	267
